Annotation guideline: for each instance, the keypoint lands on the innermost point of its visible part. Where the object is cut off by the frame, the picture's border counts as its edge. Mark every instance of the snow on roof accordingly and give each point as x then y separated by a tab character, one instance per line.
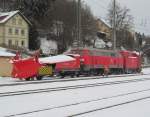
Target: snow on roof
56	59
5	16
2	49
6	54
105	22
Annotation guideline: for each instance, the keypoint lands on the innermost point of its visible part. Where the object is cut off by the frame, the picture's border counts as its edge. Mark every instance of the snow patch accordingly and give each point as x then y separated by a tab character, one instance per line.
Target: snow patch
56	59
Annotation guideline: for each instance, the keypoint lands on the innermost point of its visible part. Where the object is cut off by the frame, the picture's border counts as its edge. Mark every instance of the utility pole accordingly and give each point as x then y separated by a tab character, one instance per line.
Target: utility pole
79	23
114	24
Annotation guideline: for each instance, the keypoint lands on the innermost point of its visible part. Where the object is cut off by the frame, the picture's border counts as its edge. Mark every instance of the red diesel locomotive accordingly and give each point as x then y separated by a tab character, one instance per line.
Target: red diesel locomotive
95	61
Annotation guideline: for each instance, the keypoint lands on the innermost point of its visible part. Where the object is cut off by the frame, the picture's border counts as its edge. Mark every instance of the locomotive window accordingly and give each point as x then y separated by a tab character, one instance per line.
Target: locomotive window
105	54
80	52
91	53
113	55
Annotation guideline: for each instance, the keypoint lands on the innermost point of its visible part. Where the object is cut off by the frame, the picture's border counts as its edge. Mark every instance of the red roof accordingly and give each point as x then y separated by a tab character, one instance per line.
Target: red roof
3	17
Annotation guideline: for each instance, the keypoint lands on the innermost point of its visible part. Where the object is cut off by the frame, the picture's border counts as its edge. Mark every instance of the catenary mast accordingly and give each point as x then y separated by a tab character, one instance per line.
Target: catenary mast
79	23
114	24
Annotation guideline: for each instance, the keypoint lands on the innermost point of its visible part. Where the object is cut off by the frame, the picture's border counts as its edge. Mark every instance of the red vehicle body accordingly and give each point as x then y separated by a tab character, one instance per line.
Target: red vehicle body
69	65
84	61
25	68
94	61
132	61
34	67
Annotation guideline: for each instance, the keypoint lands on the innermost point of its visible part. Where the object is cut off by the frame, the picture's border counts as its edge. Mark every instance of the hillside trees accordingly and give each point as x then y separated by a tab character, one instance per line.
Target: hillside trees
88	27
58	18
37	11
65	12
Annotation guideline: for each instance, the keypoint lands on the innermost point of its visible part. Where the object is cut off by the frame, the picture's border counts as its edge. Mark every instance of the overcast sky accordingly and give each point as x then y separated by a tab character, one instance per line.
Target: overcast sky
140	9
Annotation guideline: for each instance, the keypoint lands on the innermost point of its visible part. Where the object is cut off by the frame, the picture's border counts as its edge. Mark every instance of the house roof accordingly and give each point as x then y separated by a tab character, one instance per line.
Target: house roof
104	21
5	16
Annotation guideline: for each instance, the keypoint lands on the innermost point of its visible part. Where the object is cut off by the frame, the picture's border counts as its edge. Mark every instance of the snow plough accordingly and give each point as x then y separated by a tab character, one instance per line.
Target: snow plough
34	67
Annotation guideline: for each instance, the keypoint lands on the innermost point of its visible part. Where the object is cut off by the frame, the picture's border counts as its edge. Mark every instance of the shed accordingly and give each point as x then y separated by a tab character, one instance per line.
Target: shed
5	65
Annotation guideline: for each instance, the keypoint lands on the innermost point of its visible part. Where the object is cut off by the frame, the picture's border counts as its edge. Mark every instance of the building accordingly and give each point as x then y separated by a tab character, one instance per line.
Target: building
104	33
104	28
14	30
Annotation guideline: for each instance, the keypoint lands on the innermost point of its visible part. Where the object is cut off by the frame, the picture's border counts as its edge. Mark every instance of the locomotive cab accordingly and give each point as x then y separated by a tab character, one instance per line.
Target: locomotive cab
69	67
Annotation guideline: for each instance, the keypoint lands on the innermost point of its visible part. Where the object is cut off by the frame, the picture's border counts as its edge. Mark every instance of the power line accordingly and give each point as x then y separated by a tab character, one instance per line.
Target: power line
103	6
105	1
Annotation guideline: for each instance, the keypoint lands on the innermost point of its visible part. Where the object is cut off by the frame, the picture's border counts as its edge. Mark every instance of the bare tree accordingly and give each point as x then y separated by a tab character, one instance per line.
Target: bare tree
66	12
88	26
123	18
124	23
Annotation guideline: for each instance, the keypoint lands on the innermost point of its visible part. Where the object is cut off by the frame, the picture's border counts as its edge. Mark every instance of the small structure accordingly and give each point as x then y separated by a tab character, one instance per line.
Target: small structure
5	65
48	43
48	47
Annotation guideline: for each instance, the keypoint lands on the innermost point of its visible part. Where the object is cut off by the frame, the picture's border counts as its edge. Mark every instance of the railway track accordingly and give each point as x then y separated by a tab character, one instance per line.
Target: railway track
65	80
91	101
111	106
15	93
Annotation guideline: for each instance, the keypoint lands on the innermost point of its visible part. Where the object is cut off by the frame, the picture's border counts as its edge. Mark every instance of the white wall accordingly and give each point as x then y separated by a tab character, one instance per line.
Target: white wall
48	46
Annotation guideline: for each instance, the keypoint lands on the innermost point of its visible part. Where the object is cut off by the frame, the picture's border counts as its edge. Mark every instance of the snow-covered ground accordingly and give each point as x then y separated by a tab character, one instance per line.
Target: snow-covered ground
75	101
146	70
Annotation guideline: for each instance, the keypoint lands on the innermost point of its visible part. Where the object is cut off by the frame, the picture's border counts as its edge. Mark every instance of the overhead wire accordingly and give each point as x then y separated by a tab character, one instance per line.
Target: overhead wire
102	5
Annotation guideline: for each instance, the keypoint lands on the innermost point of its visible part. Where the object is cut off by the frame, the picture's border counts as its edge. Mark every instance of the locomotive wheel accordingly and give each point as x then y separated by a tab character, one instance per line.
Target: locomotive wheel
72	75
62	76
27	79
39	77
77	75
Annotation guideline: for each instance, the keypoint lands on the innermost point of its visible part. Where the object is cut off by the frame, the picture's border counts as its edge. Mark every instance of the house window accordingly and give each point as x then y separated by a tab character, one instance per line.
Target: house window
14	21
16	31
22	43
16	43
20	22
22	32
9	42
10	31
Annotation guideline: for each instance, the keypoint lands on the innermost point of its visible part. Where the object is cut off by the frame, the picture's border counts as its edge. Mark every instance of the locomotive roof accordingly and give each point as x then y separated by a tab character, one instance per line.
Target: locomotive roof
93	49
104	50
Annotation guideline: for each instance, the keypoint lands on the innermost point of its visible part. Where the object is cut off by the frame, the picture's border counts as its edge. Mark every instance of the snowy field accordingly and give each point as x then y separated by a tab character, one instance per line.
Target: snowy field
120	100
